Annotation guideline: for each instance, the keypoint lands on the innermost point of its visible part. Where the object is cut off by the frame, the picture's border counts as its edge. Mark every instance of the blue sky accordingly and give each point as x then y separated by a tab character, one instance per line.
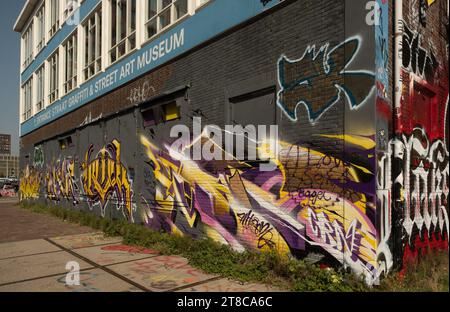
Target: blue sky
9	73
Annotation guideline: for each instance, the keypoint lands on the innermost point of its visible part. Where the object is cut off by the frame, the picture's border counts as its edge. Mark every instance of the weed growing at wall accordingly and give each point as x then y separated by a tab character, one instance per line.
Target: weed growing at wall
215	258
431	273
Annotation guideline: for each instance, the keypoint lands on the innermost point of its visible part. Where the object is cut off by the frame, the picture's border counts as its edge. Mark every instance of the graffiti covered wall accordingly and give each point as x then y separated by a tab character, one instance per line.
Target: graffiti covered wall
421	174
329	196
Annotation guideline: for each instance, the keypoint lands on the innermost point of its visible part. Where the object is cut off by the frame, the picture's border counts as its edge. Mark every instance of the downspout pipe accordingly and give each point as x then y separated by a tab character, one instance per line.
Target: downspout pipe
398	24
397	148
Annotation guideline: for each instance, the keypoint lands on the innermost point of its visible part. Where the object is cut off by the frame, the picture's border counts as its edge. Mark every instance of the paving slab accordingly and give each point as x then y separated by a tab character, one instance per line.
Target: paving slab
114	253
226	285
36	266
26	248
161	273
95	280
18	224
85	240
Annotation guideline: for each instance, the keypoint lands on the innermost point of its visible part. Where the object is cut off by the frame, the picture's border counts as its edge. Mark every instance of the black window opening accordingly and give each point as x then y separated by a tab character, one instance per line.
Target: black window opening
65	143
163	109
161	113
248	112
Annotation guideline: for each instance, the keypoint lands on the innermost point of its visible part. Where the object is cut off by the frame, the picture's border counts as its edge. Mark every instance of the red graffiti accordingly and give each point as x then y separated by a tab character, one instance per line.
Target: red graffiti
176	263
421	248
422	104
7	193
384	109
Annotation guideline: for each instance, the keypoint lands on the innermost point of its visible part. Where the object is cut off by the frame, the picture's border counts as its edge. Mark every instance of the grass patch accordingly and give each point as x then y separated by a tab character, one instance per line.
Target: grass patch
429	274
250	266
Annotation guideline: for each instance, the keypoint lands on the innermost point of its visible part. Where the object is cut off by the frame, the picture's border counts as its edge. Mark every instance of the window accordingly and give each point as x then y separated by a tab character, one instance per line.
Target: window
54	81
70	70
54	17
164	109
40	19
252	110
65	142
27	100
199	3
123	28
161	113
28	45
162	13
149	117
40	89
93	49
171	111
69	7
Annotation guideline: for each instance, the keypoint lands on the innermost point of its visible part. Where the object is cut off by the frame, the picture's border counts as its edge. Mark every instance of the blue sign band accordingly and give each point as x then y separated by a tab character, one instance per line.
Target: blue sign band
215	18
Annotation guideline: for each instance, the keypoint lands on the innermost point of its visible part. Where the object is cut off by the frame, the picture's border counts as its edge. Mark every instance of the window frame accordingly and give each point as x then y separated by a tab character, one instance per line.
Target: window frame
161	11
40	25
201	3
129	39
27	88
54	17
92	65
40	88
70	81
53	61
28	45
69	7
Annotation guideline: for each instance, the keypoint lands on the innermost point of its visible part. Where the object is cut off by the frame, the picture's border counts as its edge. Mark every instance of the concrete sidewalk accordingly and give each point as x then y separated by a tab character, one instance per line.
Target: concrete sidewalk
106	265
18	224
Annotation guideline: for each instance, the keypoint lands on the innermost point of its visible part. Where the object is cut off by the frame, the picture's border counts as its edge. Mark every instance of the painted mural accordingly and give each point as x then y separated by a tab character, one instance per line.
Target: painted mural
241	206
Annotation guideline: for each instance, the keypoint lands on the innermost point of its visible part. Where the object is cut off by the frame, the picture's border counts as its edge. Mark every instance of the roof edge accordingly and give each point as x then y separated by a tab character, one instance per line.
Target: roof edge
24	15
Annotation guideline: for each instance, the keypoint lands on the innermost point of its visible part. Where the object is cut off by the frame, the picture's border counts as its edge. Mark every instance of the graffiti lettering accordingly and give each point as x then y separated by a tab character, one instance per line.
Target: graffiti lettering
314	195
260	228
424	180
105	177
60	181
141	93
415	57
334	235
30	183
321	72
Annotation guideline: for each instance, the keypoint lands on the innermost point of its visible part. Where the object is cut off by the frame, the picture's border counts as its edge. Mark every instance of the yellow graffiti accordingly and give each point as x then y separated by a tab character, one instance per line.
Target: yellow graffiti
30	182
264	214
106	176
222	193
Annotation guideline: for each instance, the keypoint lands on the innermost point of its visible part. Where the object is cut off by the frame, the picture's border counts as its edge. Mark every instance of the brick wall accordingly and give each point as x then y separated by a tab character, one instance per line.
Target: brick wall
421	131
